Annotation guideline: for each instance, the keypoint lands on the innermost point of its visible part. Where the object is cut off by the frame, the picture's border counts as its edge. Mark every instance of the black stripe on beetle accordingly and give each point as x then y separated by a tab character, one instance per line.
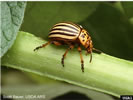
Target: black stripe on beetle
61	29
60	33
67	25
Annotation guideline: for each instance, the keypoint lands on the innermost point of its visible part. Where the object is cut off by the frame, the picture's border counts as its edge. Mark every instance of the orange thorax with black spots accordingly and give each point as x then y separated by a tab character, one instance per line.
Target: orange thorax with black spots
85	40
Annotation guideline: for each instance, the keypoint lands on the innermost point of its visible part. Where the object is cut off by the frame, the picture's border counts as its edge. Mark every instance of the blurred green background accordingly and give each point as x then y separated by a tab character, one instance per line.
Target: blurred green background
110	25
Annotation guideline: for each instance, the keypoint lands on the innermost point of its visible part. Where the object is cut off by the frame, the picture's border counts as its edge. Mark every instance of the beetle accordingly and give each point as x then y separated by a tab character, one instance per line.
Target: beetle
70	34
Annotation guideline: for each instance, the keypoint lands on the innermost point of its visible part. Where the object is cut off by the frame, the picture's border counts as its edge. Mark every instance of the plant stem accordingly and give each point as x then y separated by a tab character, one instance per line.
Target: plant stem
105	73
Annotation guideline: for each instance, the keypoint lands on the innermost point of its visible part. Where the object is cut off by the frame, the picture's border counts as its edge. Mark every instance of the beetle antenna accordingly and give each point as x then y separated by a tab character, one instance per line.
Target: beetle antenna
98	51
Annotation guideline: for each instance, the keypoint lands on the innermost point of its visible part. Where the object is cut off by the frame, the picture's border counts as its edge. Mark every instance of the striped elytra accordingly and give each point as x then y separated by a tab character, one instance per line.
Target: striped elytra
70	34
65	31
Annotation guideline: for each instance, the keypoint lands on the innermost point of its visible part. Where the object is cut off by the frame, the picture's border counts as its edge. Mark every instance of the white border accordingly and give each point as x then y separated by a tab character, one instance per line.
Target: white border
0	47
67	0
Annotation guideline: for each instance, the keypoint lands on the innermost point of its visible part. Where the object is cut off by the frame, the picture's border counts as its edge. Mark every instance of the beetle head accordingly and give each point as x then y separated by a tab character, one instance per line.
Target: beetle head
89	46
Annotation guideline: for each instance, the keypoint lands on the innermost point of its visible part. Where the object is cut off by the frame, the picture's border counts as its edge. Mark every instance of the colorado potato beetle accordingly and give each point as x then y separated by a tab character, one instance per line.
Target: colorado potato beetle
70	34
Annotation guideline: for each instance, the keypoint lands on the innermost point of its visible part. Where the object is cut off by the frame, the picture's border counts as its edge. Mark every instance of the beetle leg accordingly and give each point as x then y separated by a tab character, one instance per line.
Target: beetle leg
90	57
56	43
43	45
64	55
81	58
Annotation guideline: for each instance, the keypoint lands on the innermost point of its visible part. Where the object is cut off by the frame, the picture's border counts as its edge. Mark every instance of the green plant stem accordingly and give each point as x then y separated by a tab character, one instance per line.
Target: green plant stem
105	73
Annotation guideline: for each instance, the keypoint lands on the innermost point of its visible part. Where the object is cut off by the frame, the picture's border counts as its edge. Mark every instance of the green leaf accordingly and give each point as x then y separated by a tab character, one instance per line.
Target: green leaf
11	18
41	16
106	73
